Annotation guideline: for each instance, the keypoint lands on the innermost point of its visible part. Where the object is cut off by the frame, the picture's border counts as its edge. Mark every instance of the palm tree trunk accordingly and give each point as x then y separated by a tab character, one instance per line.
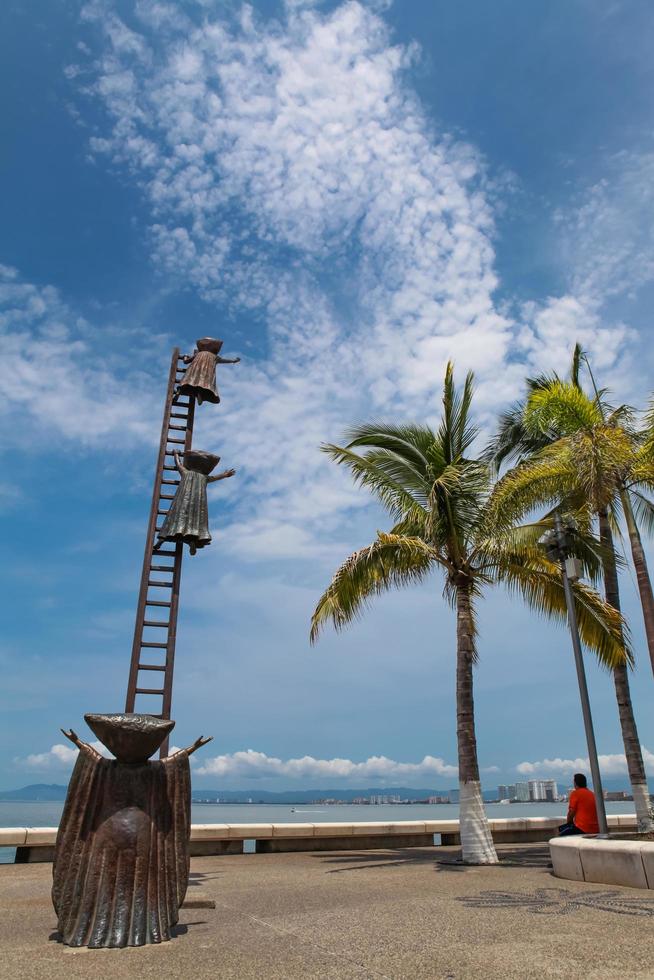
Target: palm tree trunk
642	573
632	748
476	841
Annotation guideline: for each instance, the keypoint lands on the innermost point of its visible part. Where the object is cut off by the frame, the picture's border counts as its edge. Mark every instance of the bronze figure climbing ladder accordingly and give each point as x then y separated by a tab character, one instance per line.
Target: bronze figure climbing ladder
153	649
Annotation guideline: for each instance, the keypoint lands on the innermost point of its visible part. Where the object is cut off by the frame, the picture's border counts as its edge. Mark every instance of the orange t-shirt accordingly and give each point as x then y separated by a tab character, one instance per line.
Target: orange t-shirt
584	812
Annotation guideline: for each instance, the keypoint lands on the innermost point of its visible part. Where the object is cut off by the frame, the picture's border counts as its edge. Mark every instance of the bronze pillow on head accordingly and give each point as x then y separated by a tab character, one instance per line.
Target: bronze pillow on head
131	737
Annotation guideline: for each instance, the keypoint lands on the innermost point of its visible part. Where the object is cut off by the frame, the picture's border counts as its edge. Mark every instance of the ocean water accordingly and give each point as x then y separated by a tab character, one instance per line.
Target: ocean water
48	814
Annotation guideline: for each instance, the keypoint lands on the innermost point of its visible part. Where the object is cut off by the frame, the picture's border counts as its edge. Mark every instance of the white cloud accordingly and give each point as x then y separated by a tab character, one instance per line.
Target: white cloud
58	757
290	170
58	375
291	173
257	765
610	765
608	238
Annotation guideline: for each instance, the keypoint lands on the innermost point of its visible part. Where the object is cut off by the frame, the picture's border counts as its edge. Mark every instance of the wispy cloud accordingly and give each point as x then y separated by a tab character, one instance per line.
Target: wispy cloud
611	765
59	375
258	765
290	171
607	238
291	174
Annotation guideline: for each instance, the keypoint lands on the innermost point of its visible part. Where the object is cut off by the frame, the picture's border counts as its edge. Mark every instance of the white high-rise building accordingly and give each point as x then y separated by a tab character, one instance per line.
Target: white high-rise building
543	790
522	792
551	790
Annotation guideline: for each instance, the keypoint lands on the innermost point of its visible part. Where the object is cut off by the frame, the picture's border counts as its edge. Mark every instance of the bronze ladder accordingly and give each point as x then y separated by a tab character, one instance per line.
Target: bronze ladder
155	638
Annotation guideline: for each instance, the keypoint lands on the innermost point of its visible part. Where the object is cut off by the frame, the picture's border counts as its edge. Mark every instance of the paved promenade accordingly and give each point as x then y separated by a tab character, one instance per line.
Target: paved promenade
412	913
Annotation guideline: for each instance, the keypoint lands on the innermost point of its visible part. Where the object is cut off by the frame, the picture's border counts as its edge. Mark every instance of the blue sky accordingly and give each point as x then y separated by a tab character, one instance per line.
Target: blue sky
348	194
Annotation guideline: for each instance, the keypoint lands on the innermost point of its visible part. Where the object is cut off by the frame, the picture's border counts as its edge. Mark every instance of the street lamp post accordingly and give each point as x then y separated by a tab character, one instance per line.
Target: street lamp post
558	549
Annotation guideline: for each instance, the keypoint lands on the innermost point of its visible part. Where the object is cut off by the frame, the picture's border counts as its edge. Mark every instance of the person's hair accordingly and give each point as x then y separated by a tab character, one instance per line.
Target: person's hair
579	780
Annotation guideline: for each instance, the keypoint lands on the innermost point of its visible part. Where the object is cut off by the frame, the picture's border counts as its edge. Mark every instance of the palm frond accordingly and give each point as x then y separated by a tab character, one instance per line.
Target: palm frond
522	543
392	560
643	509
578	355
538	482
456	433
560	409
390	492
413	442
601	627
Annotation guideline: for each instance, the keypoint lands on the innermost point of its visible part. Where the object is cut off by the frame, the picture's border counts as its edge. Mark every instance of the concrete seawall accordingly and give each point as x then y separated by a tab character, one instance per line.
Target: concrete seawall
34	844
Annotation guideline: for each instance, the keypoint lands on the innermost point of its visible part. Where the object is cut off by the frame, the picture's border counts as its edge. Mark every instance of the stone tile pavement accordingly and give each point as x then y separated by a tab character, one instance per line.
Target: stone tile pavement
412	913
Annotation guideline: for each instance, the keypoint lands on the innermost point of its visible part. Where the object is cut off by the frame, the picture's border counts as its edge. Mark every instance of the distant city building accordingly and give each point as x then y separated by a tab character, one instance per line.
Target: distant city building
453	796
551	790
522	792
617	795
543	790
506	792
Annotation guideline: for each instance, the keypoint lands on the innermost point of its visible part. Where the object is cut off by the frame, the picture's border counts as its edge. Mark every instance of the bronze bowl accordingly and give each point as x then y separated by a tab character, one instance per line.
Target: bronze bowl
130	737
197	459
208	343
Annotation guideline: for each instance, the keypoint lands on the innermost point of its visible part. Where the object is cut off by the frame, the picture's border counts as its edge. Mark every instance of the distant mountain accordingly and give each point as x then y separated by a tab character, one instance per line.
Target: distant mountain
54	793
38	792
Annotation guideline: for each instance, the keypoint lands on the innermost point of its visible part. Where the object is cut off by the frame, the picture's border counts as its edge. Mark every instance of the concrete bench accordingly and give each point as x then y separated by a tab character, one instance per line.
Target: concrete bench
609	862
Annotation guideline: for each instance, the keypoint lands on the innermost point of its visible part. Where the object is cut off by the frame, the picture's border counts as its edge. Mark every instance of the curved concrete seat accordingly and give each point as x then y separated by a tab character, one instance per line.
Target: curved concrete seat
609	862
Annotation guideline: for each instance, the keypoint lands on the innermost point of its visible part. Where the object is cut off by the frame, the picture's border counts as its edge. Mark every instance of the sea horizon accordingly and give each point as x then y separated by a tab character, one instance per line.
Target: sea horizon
40	814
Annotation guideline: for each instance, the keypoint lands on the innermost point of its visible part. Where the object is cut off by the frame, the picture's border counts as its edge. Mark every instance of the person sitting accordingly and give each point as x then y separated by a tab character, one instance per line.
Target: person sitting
582	812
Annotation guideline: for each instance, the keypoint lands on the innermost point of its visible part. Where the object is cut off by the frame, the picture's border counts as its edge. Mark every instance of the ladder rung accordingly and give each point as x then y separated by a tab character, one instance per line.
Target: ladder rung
165	554
164	513
178	428
167	496
157	602
150	667
148	690
155	622
161	585
174	469
162	568
179	442
157	646
178	415
170	483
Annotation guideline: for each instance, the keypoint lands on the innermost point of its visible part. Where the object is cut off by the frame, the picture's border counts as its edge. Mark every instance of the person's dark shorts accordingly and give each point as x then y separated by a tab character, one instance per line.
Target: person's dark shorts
568	829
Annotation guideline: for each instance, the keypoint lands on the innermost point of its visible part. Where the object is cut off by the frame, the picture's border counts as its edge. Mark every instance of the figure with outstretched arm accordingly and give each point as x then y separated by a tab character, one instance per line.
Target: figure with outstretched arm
121	861
188	517
199	380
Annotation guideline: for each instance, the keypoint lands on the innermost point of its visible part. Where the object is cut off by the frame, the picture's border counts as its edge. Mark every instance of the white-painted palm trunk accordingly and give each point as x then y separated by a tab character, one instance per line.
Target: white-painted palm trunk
643	803
476	840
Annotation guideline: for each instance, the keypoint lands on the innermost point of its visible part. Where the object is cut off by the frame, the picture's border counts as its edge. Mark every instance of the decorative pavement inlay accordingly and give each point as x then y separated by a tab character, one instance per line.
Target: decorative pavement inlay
560	901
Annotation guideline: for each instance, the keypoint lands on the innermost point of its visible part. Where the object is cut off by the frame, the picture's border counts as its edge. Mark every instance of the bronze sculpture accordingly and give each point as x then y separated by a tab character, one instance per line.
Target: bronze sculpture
188	517
200	377
121	861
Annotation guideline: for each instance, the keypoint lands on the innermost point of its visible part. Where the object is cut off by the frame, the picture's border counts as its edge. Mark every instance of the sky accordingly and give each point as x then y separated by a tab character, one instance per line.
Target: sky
348	194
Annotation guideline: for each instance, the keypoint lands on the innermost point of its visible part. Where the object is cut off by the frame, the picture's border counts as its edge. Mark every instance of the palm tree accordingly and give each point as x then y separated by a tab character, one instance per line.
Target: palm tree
441	504
589	462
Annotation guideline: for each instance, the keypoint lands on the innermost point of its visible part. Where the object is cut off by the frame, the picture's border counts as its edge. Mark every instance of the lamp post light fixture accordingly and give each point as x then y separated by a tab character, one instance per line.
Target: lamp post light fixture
558	543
